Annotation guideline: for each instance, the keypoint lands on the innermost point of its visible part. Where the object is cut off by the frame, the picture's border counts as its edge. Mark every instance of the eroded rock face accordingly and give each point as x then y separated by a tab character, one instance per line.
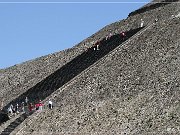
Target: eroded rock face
132	90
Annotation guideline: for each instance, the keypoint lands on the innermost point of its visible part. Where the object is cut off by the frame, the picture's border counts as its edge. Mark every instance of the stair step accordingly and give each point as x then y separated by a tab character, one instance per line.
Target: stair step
5	133
19	121
96	57
12	126
8	130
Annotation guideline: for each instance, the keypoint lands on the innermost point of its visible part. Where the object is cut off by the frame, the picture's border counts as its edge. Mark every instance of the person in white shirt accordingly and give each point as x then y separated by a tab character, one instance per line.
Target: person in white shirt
142	23
50	104
10	109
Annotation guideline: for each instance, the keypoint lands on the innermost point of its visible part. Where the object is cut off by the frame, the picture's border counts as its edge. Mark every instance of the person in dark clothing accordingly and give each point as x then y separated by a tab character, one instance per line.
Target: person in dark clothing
17	108
97	44
37	106
30	107
22	107
26	101
123	35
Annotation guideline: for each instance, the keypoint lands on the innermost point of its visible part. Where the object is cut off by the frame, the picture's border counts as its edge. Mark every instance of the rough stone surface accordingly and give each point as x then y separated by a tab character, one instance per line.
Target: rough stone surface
18	79
132	90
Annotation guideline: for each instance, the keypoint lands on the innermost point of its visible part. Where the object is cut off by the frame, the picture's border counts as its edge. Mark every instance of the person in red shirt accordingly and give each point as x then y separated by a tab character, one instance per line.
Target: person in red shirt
30	107
37	106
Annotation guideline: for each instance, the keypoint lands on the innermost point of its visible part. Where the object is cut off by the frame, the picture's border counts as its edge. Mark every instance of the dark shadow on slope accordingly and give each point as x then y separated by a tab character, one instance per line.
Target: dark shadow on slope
151	7
71	69
3	117
14	124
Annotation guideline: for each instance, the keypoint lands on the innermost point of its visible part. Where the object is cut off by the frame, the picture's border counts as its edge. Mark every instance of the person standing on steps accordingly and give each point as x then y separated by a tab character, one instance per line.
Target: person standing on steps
26	101
50	104
26	104
14	110
40	105
37	106
10	109
109	36
123	35
22	107
96	45
30	107
142	23
17	108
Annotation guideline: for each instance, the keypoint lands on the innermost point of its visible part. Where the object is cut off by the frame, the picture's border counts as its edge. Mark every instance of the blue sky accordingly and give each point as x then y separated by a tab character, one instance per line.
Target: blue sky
29	29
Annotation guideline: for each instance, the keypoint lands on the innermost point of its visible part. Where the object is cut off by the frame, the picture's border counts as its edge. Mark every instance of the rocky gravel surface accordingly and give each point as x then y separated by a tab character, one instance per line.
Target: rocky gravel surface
132	90
20	78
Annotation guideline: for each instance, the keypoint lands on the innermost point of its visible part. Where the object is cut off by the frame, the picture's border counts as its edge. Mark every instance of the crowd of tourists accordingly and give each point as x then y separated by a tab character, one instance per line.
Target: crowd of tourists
97	43
28	107
122	34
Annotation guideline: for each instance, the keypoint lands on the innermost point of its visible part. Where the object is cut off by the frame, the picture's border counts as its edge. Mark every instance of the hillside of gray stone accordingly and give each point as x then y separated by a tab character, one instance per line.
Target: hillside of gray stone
18	79
152	6
133	90
72	69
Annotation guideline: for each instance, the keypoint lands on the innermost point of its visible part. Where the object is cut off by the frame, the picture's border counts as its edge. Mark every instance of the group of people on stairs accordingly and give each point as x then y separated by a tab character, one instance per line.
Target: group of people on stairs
122	34
28	107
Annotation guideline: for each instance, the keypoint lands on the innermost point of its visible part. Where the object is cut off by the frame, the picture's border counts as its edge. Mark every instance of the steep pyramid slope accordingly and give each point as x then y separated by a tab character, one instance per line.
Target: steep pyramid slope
70	70
20	78
133	90
123	92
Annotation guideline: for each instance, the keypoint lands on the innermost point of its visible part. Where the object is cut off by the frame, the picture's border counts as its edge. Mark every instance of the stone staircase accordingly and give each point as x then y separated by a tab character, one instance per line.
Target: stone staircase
56	80
70	71
36	116
65	88
14	124
34	71
50	85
